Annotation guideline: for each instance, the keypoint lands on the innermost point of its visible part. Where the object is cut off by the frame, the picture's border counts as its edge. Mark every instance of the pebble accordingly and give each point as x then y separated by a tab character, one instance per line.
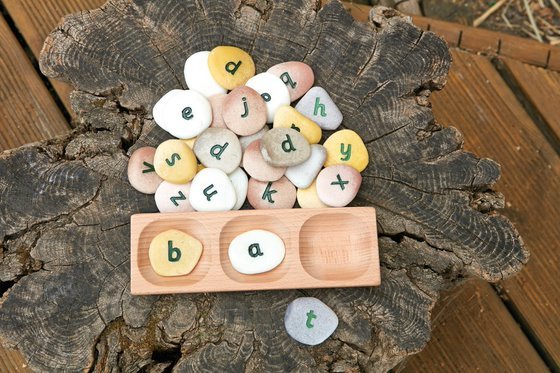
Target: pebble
297	76
303	174
284	147
198	77
310	321
280	194
346	147
288	117
240	183
218	148
255	165
212	190
141	172
318	106
244	111
230	66
189	142
184	114
272	90
256	251
174	253
217	104
175	162
173	197
246	140
308	199
338	185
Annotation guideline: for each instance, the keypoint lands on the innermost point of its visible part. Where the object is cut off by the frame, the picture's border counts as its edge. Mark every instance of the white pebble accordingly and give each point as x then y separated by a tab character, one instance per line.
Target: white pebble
256	251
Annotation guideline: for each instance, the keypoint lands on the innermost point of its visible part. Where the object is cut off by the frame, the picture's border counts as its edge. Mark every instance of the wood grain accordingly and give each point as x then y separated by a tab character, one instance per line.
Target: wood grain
473	331
325	248
36	19
542	88
11	361
28	111
495	124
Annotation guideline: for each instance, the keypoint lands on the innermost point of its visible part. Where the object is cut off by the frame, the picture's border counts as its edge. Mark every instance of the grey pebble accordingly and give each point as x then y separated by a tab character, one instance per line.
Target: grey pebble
310	321
284	147
318	106
218	148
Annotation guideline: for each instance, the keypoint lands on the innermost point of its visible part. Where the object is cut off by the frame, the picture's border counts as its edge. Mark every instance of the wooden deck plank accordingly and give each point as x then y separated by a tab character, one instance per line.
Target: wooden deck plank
542	89
466	318
494	124
36	19
28	111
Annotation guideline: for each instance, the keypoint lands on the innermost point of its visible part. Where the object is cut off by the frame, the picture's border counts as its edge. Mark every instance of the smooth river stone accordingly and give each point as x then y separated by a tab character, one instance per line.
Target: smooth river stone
288	117
217	104
246	140
256	251
184	114
189	142
318	106
346	147
244	111
212	190
304	173
198	77
175	162
218	148
174	253
284	147
338	185
173	197
279	194
141	172
310	321
240	183
230	66
255	165
308	199
272	90
297	76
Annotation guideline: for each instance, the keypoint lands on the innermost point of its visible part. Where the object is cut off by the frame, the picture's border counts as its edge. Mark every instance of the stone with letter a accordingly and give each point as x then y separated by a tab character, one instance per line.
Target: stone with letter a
256	251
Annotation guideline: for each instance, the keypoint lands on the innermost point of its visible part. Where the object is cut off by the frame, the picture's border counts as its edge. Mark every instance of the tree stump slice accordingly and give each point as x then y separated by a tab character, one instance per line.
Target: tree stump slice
66	202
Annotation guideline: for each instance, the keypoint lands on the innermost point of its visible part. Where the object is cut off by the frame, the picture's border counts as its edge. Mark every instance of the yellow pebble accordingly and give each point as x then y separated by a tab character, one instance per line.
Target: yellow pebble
307	198
346	147
199	167
175	162
189	142
231	67
174	253
287	116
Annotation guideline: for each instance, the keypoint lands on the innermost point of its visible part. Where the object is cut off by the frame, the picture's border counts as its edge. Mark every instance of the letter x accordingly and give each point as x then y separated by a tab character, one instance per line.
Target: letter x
340	182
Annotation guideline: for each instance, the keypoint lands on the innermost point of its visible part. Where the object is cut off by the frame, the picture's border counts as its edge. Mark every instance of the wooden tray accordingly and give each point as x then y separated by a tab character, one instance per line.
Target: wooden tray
324	248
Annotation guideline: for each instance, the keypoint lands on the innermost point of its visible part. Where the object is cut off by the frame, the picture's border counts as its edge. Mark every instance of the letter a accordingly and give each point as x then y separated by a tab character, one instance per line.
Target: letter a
255	250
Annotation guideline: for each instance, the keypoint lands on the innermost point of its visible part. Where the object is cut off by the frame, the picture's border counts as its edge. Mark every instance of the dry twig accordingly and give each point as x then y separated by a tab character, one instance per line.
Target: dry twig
488	13
532	21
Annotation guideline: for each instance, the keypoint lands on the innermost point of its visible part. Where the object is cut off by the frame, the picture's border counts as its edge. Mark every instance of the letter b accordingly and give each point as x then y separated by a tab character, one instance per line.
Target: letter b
173	253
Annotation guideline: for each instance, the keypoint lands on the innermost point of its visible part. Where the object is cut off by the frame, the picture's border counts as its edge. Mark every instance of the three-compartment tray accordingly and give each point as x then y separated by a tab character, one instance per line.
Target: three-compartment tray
334	247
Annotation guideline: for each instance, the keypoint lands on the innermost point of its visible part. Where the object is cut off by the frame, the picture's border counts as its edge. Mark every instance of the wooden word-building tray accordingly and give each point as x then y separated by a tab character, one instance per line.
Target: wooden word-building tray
324	248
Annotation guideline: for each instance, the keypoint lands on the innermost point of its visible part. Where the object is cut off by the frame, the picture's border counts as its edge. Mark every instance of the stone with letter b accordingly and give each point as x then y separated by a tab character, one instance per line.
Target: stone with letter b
174	253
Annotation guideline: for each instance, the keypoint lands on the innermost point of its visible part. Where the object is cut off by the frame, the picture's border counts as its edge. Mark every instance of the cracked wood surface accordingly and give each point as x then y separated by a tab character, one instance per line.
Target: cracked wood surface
427	221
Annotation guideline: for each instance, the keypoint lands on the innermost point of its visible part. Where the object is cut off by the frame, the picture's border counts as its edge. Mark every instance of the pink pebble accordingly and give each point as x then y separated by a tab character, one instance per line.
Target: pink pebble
244	111
255	165
217	104
173	197
297	76
141	173
338	185
279	194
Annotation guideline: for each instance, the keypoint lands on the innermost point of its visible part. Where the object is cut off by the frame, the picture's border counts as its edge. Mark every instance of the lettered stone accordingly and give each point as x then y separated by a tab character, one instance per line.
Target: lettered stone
198	77
141	172
230	66
212	190
310	321
304	173
173	197
318	106
284	147
174	253
246	140
217	104
256	251
308	199
175	162
244	111
240	183
338	185
189	142
288	117
297	76
280	194
346	147
255	165
218	148
272	90
184	114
